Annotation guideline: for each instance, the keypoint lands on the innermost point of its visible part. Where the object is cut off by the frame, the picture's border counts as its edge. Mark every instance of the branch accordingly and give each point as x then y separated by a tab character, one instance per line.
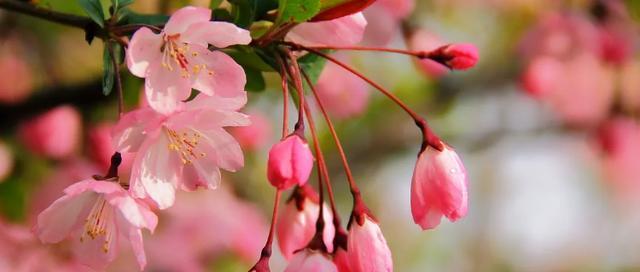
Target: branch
49	15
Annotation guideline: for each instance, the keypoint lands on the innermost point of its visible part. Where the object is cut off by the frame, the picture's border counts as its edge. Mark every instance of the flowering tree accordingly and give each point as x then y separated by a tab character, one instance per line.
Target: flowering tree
179	140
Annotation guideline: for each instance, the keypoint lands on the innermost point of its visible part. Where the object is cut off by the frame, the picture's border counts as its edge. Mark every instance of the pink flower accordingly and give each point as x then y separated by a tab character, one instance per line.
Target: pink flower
311	261
256	135
290	162
438	188
54	134
367	248
185	149
459	56
344	31
297	223
177	59
6	161
343	94
422	40
97	213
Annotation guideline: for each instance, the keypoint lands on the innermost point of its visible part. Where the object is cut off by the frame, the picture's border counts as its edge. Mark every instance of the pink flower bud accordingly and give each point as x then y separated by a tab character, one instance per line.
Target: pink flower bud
460	56
290	162
6	161
297	223
311	261
438	187
55	134
341	260
367	248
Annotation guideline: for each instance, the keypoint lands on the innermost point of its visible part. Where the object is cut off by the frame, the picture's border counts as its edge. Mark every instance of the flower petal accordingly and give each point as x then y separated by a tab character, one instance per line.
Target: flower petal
157	171
144	47
218	34
91	252
231	103
344	31
222	75
129	208
130	131
185	17
165	88
222	149
135	237
57	221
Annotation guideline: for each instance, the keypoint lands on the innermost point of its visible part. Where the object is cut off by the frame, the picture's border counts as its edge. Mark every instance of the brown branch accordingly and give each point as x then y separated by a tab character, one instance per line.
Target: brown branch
49	15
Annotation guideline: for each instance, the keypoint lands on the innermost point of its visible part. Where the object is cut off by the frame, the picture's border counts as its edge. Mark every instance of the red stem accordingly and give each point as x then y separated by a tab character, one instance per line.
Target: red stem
263	263
418	54
285	97
429	138
294	72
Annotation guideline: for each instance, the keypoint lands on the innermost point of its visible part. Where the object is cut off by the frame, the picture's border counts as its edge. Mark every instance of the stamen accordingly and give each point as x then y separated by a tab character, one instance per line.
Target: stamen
185	144
99	222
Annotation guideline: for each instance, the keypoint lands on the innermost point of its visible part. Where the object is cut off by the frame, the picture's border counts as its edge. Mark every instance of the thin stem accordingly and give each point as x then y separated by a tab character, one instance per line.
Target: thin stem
285	97
116	67
265	254
294	72
322	175
418	54
430	138
47	14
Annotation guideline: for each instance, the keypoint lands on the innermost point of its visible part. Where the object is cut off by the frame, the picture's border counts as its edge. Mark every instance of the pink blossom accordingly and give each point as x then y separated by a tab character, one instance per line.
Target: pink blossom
177	59
54	134
367	248
422	40
98	214
6	161
184	149
438	188
341	260
616	42
344	31
290	162
17	81
311	261
256	135
297	223
343	94
620	139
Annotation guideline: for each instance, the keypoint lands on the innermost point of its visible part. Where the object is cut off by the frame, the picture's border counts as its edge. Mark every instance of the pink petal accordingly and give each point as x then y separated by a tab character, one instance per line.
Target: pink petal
131	130
157	171
165	88
231	103
143	49
199	176
367	248
91	252
135	237
135	213
185	17
311	261
344	31
222	76
57	221
100	187
223	150
218	34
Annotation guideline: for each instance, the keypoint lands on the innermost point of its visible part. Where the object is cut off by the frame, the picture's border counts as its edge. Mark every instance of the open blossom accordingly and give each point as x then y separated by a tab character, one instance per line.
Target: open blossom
344	31
290	162
311	261
438	188
297	223
185	149
55	134
367	248
97	214
177	59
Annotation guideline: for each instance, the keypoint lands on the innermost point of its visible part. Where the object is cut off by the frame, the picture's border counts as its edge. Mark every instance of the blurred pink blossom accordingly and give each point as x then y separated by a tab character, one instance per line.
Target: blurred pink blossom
98	213
311	261
630	86
6	161
422	40
55	134
297	223
290	162
343	94
438	188
385	19
255	135
185	149
367	248
620	141
101	148
17	82
177	59
344	31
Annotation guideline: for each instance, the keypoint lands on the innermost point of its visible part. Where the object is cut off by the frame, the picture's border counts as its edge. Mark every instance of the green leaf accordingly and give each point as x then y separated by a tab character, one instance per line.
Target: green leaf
297	11
215	4
147	19
93	8
124	3
312	65
108	71
248	58
633	6
244	12
255	80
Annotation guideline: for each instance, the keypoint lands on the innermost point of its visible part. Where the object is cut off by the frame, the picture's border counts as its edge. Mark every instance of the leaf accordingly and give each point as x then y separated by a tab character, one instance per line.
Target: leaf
108	71
297	11
255	80
93	8
245	12
248	58
146	19
118	4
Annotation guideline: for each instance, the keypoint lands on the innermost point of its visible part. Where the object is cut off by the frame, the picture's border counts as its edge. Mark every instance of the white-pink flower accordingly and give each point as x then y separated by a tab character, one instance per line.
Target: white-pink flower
177	59
97	214
184	149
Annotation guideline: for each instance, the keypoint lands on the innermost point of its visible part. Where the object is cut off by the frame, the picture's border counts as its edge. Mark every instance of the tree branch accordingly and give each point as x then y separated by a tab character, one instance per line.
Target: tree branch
49	15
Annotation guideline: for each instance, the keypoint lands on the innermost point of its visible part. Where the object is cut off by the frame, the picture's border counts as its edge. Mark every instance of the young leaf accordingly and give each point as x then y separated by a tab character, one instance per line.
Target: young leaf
93	8
108	70
297	11
255	80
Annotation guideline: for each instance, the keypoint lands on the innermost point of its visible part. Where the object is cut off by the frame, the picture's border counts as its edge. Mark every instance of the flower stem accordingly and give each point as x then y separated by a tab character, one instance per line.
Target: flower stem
429	137
294	73
263	263
285	97
118	83
417	54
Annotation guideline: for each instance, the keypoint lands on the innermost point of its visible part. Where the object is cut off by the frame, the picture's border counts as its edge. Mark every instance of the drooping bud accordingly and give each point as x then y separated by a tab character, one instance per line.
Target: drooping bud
297	223
438	188
367	248
311	261
332	9
341	260
460	56
290	162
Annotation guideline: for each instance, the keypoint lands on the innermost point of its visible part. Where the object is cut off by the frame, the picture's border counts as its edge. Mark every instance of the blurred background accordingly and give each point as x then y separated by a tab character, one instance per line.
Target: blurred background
547	124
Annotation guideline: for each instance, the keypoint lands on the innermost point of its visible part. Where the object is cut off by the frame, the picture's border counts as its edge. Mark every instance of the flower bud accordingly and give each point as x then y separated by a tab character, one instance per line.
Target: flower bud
438	188
55	134
297	223
290	163
341	260
367	248
311	261
456	56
